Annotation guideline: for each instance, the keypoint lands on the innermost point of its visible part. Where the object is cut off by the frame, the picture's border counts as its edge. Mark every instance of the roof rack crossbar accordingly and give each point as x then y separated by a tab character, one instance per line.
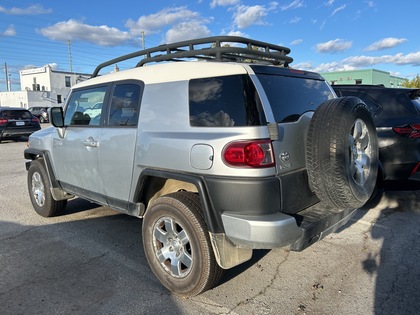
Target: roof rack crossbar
216	48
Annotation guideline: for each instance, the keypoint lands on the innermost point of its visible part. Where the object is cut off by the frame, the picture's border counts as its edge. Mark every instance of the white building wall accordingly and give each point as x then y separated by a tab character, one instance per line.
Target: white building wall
41	87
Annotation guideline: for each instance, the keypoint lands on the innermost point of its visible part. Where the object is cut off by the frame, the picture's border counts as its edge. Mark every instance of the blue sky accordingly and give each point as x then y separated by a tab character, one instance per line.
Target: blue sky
329	35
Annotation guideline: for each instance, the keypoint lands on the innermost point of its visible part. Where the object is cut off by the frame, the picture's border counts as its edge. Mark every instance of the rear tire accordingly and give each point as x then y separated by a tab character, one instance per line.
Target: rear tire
342	153
39	191
177	244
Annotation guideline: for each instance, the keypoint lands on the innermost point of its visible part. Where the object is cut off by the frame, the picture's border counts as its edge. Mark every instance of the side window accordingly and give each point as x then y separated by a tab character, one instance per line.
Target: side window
125	102
229	101
84	107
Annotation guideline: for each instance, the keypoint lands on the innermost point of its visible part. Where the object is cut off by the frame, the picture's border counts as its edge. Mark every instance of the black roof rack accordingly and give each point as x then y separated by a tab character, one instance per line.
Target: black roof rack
216	48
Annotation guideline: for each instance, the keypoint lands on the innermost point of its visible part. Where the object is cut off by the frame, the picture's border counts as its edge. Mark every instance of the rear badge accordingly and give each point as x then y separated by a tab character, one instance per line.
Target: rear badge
284	158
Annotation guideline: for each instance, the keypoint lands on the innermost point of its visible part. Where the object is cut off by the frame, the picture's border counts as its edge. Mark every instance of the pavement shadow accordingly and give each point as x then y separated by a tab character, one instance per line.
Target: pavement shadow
86	265
396	266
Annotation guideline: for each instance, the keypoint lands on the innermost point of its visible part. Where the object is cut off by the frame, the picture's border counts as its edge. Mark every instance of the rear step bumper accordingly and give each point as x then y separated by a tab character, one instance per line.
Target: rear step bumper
279	230
316	224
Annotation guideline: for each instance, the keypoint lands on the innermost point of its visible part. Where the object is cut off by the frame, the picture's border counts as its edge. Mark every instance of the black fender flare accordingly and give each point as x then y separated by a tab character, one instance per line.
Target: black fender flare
56	189
213	219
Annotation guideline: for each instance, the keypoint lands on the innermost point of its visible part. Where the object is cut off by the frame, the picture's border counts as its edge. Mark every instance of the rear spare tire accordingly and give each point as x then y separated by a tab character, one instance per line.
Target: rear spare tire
342	153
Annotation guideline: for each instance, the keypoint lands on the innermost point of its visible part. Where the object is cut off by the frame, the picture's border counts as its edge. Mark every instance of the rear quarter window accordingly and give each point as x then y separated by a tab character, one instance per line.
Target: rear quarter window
228	101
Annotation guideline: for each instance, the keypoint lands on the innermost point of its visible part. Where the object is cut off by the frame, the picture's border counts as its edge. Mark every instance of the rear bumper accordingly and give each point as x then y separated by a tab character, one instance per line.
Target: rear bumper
398	155
9	133
267	231
279	230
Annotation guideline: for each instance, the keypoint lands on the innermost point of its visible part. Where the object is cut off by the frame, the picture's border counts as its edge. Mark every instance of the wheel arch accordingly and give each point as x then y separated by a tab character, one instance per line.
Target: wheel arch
153	183
32	154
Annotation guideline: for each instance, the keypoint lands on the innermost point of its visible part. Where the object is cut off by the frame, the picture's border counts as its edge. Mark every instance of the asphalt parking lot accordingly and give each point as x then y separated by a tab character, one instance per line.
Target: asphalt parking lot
90	261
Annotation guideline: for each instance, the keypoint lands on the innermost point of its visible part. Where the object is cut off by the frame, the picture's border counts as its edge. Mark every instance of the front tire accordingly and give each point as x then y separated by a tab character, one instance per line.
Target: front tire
342	153
39	191
177	244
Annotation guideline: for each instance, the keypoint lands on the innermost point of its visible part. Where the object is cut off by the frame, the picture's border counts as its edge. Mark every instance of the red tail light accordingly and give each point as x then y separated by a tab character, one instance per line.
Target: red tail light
257	153
410	131
35	119
415	169
3	121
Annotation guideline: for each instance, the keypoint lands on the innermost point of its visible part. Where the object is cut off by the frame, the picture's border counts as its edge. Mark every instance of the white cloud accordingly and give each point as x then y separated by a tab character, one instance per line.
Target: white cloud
295	20
10	31
333	46
74	30
153	23
31	10
385	43
185	31
292	5
357	62
296	42
252	15
397	59
223	3
338	9
246	16
237	33
329	3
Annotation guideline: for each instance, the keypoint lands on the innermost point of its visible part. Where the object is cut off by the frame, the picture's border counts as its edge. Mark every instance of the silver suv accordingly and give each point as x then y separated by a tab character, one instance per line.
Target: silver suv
225	153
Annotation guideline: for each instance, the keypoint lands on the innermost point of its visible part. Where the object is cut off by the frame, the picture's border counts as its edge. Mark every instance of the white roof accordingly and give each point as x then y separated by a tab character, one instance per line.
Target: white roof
170	72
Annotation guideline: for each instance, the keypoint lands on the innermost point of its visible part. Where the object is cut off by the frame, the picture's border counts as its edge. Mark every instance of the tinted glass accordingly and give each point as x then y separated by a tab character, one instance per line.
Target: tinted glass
229	101
15	114
374	107
290	97
124	105
415	99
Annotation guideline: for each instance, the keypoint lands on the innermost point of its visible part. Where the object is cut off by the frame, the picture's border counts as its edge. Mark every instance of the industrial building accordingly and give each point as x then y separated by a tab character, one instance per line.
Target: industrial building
368	76
42	87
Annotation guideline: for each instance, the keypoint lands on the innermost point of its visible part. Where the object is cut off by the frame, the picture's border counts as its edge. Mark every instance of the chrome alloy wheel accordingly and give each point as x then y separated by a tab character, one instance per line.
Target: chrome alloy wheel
172	247
360	152
38	189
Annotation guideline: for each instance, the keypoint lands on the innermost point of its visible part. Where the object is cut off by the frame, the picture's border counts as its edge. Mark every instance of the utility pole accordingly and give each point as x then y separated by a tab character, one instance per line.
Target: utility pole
7	78
70	60
142	40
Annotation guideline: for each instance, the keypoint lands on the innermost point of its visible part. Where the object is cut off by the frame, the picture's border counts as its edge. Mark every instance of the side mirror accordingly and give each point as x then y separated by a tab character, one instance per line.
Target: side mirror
56	116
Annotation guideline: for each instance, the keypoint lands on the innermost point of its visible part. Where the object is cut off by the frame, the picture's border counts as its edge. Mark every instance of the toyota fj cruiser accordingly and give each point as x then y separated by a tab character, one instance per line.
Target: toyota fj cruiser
228	152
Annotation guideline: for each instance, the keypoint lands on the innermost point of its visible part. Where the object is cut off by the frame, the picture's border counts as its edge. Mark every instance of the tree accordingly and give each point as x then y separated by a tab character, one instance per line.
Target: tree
414	83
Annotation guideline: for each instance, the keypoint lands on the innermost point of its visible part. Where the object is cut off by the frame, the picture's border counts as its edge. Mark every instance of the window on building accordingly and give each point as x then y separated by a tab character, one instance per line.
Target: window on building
59	101
358	81
68	81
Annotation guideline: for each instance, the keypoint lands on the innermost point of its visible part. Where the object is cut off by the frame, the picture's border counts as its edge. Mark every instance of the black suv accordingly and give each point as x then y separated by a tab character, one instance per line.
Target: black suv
40	112
396	114
17	122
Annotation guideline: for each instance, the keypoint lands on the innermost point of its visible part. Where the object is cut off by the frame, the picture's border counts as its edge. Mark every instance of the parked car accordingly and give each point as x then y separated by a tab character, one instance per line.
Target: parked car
17	122
41	112
396	114
218	157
